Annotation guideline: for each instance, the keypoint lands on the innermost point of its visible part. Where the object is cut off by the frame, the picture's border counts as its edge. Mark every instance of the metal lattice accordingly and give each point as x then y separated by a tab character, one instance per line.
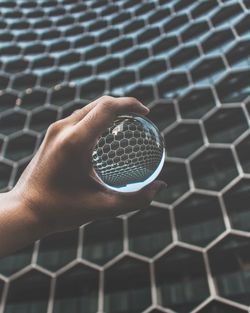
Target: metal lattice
189	61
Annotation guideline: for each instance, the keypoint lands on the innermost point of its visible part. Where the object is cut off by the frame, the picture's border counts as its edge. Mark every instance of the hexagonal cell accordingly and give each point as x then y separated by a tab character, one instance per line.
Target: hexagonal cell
10	50
173	85
62	95
144	93
162	114
84	41
16	66
77	289
95	52
127	282
34	49
80	72
164	44
57	250
183	140
52	78
50	34
15	262
109	34
199	219
184	57
152	69
213	168
182	5
220	307
204	8
7	101
145	8
12	122
20	147
175	175
243	26
44	23
4	81
43	62
102	240
33	99
149	231
242	150
231	277
226	125
25	81
27	37
87	16
226	14
122	44
97	25
238	56
196	103
29	292
74	30
234	87
218	40
175	24
6	37
5	172
195	31
136	55
110	9
237	204
158	15
92	89
69	58
41	120
149	34
107	65
208	70
181	280
122	79
134	26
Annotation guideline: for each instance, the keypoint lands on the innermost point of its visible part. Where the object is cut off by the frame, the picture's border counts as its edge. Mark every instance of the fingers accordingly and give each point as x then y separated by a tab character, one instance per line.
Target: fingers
101	116
122	203
79	114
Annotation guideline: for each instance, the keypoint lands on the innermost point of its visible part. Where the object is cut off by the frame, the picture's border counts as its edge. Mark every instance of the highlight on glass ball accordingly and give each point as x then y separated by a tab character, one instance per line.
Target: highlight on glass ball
130	154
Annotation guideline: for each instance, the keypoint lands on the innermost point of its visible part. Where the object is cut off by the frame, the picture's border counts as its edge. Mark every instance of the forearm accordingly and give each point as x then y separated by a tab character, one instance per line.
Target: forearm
18	225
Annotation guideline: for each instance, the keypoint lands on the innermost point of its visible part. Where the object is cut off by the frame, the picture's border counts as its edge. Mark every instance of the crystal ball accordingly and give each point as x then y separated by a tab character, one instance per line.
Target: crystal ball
130	154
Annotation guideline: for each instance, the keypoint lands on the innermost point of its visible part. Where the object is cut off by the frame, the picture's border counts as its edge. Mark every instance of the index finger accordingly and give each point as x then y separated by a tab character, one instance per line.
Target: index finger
103	114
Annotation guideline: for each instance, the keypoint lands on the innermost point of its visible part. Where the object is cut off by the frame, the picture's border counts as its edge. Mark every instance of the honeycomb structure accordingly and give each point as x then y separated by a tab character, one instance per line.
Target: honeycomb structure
129	152
189	61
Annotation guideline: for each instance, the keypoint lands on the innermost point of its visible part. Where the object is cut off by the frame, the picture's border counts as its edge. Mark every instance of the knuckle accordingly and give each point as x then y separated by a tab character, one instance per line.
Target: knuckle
68	140
106	99
109	104
133	100
54	128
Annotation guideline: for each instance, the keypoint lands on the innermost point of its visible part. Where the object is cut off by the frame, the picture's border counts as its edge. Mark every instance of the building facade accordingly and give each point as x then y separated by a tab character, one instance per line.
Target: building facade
189	61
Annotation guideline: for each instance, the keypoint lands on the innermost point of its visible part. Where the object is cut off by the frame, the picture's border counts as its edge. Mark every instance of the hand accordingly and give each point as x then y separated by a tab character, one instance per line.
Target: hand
59	187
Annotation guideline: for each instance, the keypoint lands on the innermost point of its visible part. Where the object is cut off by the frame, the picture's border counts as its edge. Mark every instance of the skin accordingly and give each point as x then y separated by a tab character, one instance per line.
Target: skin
58	190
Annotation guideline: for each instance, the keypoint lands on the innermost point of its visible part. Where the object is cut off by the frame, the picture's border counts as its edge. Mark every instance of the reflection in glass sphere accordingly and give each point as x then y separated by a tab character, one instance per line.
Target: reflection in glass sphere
130	154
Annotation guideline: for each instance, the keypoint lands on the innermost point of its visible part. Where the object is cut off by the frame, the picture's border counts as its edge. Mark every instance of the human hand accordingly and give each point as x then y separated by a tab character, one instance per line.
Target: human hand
59	186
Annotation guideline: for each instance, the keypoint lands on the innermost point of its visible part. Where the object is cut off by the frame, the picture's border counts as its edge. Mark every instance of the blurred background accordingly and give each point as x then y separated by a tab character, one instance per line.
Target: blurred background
189	61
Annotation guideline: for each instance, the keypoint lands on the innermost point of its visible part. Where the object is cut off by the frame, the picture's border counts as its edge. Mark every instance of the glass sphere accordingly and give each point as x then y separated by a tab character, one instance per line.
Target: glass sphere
130	154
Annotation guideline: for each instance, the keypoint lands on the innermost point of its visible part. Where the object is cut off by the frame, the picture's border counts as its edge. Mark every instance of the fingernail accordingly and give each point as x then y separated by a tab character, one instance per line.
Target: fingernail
146	109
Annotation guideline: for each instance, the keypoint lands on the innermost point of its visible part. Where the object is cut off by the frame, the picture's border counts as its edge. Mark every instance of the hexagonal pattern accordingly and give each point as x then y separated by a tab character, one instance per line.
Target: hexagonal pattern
189	62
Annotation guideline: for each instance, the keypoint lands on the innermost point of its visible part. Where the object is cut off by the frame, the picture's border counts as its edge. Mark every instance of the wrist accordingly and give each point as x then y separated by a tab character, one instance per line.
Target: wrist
34	226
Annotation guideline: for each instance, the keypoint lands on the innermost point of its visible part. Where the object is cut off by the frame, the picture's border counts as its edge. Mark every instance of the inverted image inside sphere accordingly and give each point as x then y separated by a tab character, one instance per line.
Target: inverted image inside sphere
135	153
